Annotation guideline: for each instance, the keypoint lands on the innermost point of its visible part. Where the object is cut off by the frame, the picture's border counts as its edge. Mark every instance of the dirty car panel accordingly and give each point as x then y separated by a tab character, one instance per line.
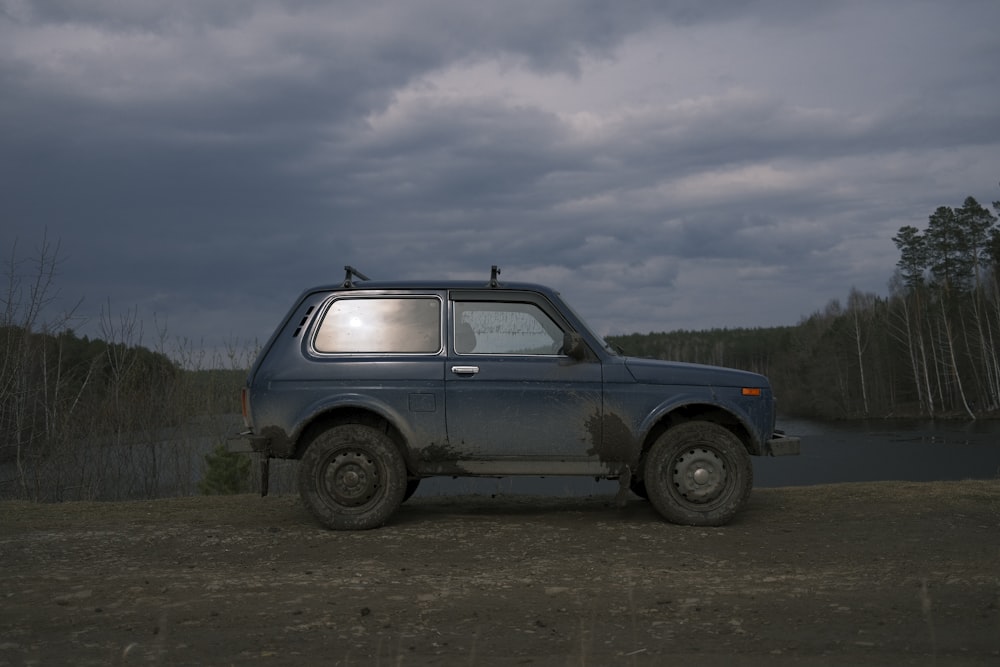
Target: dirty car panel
377	384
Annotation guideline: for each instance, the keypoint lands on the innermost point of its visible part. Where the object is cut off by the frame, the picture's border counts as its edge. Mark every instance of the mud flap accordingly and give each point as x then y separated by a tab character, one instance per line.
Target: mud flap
265	473
624	486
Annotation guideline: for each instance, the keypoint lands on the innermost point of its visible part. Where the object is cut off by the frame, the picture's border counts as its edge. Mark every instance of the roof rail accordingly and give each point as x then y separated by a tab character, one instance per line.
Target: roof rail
352	272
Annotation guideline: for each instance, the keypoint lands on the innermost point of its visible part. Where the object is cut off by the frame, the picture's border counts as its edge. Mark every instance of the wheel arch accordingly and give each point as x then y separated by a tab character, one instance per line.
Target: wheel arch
351	414
698	412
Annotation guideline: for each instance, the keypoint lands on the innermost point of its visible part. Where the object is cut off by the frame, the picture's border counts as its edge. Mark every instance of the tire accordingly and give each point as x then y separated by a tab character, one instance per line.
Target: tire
352	477
698	474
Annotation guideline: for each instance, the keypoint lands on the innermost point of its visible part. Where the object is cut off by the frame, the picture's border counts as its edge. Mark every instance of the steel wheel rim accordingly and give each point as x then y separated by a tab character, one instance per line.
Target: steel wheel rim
352	478
699	475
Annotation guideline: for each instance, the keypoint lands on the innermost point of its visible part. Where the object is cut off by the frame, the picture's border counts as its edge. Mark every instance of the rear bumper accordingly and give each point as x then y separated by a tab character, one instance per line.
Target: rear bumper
781	445
245	442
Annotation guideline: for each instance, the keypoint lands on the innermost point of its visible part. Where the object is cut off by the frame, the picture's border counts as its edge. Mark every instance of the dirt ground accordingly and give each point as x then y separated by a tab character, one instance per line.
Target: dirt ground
861	574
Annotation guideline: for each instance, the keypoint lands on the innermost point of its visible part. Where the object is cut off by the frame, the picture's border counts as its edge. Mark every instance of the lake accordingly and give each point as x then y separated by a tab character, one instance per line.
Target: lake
832	452
866	451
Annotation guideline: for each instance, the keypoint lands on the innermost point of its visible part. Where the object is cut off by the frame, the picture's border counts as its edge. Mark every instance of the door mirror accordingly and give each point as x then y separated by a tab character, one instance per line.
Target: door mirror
573	346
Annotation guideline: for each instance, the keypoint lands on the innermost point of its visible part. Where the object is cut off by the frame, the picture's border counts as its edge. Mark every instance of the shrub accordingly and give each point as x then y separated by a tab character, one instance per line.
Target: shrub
226	473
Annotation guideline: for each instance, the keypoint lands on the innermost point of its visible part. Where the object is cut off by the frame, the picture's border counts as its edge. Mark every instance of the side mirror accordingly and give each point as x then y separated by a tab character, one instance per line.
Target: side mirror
573	346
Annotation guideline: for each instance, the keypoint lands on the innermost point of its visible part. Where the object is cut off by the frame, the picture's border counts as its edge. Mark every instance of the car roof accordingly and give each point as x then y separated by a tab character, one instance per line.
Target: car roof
347	286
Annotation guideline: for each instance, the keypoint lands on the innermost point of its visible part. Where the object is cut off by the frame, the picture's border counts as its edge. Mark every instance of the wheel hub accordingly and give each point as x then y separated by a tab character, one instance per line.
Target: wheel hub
351	478
699	475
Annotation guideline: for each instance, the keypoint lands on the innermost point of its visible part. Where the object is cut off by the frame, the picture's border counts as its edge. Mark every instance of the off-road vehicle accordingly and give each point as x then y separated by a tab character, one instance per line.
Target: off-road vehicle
375	385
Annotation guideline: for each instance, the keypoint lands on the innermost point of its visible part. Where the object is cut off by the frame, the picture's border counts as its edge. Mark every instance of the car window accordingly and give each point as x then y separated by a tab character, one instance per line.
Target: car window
492	327
408	325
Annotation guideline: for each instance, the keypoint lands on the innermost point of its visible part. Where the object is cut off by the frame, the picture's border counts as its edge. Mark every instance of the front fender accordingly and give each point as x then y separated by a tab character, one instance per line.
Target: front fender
690	405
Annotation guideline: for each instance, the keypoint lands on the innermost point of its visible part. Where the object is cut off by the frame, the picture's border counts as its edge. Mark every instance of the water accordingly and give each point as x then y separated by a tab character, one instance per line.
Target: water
159	462
832	452
869	451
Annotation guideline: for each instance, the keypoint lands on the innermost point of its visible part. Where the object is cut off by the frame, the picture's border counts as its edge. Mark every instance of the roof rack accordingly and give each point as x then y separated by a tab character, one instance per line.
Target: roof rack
352	272
494	272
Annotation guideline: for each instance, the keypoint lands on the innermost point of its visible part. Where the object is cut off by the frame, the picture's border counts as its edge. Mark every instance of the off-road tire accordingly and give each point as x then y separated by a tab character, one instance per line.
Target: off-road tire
352	477
698	474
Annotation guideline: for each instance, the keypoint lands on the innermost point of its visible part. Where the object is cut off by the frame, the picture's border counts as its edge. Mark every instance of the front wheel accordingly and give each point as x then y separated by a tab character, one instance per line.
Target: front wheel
352	477
698	474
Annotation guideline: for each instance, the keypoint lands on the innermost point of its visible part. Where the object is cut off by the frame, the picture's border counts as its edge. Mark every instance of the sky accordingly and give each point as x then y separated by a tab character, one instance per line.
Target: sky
665	164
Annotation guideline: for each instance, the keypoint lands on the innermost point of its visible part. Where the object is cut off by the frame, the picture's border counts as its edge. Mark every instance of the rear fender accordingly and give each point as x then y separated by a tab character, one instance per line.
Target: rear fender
350	408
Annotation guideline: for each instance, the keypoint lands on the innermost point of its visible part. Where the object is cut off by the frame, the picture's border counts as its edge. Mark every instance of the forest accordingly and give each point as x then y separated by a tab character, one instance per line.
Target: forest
89	418
929	349
111	417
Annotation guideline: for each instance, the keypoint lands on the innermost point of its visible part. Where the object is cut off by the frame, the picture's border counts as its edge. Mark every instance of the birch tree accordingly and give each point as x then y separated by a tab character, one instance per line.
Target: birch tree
912	270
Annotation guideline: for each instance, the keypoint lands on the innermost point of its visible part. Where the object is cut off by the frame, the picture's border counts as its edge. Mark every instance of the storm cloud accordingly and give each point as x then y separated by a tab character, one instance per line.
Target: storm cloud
666	165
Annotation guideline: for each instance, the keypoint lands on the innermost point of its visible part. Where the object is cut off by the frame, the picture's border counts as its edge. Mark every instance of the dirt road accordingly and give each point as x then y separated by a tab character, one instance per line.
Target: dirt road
862	574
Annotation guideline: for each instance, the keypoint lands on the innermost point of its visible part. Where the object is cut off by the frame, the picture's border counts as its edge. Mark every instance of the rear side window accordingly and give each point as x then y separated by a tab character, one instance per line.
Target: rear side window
378	325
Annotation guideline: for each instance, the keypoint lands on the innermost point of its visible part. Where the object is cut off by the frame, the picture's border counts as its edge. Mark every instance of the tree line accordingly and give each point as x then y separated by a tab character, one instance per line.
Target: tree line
931	348
84	418
105	417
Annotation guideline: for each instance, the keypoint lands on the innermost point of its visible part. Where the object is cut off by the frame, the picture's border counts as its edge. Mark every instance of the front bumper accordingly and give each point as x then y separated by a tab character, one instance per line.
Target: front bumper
781	445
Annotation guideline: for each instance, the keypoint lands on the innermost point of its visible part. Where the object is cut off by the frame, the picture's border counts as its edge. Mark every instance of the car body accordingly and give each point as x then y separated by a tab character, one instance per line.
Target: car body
377	384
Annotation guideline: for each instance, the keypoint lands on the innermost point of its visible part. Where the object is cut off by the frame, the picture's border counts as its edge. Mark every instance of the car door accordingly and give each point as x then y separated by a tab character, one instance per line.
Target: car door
511	393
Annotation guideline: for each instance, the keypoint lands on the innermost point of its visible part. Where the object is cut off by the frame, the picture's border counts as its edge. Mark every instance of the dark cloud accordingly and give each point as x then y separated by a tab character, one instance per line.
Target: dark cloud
679	164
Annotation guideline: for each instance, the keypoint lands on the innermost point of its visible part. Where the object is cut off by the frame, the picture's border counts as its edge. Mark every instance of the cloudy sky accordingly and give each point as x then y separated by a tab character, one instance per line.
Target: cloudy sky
666	164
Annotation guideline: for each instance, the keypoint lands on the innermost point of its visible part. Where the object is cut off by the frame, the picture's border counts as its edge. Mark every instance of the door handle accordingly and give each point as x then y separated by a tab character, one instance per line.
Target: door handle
465	370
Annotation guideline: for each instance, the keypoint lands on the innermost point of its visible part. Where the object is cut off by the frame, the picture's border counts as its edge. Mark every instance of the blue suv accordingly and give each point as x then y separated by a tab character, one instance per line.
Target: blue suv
376	385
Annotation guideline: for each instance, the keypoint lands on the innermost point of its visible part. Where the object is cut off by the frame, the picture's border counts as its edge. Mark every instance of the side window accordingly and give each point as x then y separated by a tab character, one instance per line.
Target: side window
491	327
376	325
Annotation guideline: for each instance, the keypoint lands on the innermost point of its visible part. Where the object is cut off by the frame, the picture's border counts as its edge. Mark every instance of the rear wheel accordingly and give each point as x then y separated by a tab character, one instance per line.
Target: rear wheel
352	477
698	474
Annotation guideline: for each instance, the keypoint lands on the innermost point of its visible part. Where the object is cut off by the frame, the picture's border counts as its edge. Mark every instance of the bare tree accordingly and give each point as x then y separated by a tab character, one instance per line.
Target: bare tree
27	422
861	308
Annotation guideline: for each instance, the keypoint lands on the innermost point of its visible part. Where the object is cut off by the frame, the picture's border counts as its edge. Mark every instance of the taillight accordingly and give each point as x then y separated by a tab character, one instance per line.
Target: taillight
245	405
